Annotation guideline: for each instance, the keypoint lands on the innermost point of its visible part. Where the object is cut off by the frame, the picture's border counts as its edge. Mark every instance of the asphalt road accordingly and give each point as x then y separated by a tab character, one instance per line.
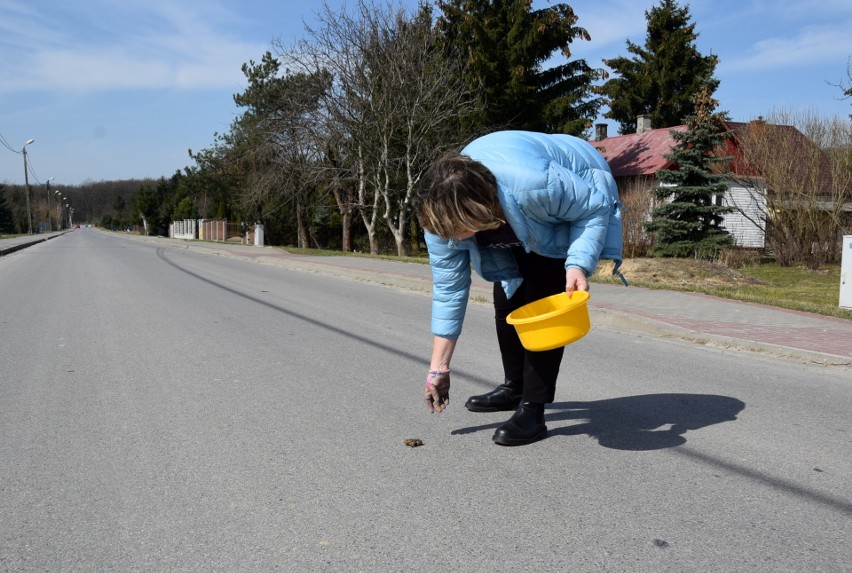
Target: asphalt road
166	410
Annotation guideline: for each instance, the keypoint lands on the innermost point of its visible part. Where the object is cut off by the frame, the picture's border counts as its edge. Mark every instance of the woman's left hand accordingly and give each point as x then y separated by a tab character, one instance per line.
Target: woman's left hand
575	279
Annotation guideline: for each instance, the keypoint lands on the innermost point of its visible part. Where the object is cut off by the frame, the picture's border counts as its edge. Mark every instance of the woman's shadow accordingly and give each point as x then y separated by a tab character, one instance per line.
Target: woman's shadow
647	422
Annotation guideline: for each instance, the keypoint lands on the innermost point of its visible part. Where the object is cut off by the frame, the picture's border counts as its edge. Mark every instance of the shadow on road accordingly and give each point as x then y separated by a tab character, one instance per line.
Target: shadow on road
637	423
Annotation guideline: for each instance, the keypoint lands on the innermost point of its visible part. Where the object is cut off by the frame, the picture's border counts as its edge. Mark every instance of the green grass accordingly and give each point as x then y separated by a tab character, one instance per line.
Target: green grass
793	288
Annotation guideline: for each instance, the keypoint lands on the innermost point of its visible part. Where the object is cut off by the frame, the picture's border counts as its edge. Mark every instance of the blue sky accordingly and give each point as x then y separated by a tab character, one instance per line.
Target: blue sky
117	90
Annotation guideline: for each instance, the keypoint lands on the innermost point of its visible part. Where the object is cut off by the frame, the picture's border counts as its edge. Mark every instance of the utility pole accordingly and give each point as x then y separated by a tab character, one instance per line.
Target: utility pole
27	187
49	222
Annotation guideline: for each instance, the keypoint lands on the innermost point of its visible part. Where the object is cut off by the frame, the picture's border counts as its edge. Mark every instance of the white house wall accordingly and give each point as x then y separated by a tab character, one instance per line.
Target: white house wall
750	206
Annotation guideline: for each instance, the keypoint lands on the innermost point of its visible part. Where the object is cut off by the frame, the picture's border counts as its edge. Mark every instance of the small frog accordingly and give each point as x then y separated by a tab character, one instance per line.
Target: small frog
413	442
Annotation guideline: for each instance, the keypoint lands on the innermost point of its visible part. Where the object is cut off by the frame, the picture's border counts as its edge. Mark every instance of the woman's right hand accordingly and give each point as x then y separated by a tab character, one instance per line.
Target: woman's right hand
575	279
437	392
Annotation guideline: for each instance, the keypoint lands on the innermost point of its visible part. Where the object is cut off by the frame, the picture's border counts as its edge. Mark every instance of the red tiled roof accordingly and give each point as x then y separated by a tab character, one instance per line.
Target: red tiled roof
635	155
638	154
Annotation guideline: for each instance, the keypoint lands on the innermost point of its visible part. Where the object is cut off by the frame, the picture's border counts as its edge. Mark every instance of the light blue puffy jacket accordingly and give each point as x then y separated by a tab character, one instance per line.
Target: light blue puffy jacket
559	197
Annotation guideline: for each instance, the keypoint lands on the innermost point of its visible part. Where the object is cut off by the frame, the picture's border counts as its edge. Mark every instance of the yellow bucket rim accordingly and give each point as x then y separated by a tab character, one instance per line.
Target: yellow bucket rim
578	298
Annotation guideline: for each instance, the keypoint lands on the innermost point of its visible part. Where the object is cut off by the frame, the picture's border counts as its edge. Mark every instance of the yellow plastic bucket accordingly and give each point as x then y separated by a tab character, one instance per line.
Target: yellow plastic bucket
552	322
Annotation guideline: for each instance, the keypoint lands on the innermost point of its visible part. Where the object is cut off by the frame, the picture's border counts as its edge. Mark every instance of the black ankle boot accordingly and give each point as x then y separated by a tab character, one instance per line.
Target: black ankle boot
503	398
524	427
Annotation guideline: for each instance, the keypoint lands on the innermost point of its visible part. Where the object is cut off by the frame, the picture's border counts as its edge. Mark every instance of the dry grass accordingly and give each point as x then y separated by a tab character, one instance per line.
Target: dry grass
679	273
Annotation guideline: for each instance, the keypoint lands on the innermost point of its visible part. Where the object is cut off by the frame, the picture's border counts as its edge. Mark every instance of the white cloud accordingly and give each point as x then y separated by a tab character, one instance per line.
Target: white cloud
812	45
796	9
609	24
613	22
122	45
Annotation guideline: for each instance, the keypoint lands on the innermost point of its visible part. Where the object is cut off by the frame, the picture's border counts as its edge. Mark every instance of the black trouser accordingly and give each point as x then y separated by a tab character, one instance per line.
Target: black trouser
535	372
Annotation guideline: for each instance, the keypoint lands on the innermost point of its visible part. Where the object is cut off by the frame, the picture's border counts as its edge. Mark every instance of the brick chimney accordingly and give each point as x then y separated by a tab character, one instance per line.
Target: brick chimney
757	126
600	131
643	124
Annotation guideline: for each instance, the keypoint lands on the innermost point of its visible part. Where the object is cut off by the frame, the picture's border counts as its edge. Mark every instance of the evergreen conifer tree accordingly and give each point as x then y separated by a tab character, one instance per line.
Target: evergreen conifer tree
689	222
505	44
7	219
662	77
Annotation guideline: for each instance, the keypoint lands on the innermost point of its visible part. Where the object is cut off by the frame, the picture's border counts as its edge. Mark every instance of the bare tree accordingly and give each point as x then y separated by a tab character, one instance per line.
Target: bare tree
846	87
393	106
638	204
799	169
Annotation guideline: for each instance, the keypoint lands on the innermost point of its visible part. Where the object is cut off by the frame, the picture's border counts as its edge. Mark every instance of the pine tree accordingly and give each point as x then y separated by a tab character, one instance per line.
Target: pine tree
7	220
664	76
505	45
689	223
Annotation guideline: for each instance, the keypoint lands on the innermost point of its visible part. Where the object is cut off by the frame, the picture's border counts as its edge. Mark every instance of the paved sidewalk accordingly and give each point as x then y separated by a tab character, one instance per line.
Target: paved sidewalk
9	246
694	317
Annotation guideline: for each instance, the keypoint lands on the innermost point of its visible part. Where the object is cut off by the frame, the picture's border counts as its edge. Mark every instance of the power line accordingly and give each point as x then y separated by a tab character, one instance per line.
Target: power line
32	171
6	144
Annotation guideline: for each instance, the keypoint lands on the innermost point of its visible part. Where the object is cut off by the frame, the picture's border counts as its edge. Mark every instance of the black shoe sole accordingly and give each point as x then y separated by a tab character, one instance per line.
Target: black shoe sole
504	441
505	408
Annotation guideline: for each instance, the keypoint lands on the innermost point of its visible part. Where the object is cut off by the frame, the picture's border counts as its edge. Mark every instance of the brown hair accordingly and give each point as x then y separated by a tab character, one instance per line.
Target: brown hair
458	195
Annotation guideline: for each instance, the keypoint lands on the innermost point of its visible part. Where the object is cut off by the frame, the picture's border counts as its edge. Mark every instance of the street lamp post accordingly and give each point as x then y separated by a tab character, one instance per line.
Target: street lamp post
49	222
27	187
59	199
64	211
